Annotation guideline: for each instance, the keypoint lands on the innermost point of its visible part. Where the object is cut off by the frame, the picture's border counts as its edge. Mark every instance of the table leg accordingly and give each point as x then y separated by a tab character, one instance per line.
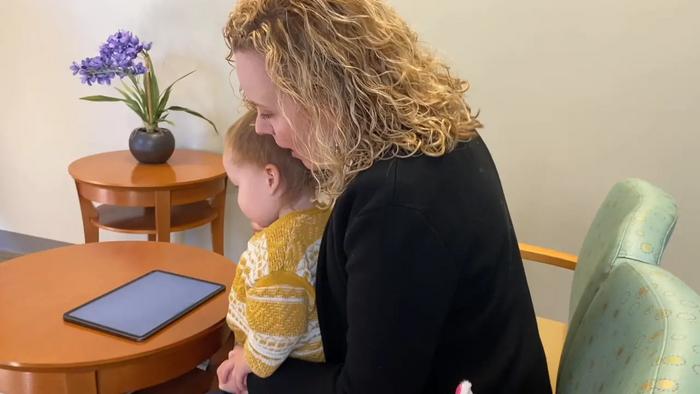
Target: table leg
163	215
88	211
217	225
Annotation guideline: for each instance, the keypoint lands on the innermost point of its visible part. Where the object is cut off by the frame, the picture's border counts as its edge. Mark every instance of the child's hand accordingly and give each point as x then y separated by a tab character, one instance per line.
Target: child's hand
224	374
239	376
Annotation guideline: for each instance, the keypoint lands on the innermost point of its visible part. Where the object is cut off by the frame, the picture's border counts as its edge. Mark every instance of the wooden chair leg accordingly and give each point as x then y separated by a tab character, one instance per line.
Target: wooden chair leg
163	215
88	211
217	225
151	237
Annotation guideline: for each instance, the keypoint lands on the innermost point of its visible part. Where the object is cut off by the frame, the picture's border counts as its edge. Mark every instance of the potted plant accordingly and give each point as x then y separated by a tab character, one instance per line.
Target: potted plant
118	57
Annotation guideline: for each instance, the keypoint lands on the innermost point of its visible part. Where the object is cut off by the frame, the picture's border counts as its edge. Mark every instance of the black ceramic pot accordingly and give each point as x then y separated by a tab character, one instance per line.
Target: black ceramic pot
151	148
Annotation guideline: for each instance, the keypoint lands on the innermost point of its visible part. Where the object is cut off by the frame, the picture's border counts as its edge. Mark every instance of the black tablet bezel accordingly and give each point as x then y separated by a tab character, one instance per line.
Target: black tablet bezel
72	319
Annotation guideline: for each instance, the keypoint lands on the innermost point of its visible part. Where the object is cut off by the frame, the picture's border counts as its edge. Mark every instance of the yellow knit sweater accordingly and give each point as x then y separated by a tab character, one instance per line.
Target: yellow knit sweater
272	305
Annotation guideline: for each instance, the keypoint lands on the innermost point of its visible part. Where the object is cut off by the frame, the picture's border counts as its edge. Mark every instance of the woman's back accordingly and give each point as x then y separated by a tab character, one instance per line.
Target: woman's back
420	257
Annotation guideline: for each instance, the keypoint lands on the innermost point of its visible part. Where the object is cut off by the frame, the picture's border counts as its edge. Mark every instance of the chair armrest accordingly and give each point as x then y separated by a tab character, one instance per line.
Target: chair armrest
548	256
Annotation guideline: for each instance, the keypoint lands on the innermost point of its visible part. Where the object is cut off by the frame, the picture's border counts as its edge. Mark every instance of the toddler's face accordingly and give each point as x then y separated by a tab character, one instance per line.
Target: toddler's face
255	197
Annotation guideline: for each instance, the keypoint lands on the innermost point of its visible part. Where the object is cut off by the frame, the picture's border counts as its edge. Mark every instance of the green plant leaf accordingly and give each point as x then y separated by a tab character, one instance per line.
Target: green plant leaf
133	94
132	103
166	94
135	81
151	87
154	82
163	101
101	98
134	107
155	94
189	111
141	93
129	103
129	96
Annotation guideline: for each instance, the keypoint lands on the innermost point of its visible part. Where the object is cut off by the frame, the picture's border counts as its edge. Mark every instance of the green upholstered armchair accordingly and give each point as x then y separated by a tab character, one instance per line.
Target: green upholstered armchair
640	333
634	222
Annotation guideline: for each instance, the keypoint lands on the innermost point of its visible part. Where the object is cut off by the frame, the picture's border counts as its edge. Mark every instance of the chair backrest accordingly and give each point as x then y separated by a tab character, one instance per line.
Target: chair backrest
640	334
635	221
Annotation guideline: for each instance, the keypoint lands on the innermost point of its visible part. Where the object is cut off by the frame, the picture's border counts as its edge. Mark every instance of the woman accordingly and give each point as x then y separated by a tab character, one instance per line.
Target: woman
420	283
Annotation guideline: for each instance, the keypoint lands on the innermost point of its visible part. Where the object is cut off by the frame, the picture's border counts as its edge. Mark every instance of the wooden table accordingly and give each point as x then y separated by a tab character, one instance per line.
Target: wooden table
155	199
40	353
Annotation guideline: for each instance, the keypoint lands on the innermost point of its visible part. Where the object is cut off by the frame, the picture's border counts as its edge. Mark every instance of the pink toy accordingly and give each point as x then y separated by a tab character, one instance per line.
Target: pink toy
464	388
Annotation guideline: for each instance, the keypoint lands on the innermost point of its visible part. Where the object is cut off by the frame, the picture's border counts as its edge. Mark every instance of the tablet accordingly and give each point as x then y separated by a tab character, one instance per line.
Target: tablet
142	307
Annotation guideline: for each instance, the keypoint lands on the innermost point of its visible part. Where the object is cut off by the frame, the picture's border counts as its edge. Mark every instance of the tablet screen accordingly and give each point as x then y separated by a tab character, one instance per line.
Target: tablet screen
143	306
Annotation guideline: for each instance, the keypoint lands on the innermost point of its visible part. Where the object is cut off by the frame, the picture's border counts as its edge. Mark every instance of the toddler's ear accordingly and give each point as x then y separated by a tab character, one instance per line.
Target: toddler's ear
273	180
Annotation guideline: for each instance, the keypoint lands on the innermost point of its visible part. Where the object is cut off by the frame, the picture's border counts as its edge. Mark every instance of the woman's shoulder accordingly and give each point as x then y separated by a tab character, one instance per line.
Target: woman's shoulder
458	196
423	182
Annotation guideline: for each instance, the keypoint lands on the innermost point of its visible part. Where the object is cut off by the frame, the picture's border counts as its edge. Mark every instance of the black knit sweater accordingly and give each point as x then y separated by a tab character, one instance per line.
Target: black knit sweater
420	285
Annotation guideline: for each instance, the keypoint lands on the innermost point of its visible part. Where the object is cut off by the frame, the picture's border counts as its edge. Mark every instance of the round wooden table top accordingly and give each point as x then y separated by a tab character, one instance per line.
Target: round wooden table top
36	289
121	169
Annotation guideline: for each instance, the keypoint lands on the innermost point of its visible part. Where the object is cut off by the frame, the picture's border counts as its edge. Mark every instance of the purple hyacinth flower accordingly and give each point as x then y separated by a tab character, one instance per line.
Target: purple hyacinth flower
116	58
140	69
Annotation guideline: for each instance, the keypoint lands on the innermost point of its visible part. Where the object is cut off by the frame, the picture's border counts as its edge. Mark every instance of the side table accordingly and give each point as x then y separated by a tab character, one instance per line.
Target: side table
154	199
41	353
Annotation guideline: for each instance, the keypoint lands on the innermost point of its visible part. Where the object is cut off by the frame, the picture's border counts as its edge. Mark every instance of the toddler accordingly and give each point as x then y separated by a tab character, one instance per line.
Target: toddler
272	309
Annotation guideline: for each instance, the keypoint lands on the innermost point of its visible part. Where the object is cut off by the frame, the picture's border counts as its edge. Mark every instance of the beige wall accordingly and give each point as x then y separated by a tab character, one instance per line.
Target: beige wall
574	96
44	126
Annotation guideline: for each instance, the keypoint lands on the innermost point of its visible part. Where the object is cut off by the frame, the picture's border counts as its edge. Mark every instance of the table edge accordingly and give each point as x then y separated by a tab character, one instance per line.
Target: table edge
102	364
170	186
131	187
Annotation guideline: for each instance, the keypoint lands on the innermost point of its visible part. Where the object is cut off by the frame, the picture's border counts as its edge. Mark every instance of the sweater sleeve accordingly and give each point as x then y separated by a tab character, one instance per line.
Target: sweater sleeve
277	314
400	281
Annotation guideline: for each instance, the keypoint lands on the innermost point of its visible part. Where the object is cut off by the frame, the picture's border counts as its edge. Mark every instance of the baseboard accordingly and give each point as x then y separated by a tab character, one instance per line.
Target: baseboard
23	243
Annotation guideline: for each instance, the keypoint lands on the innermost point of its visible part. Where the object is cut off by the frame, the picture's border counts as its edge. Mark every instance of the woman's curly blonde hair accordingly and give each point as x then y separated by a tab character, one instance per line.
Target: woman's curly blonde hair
369	89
